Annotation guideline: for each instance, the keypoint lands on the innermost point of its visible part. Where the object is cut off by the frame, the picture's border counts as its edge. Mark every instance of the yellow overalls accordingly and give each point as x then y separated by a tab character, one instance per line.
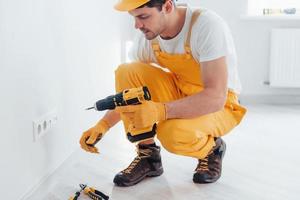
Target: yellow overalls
188	137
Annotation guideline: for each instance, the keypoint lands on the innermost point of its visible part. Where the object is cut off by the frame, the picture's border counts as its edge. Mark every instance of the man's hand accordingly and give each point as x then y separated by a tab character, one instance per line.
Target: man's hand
142	115
91	136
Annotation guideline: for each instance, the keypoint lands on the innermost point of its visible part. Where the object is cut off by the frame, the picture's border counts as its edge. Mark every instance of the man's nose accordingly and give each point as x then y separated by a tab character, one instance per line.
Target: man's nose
138	24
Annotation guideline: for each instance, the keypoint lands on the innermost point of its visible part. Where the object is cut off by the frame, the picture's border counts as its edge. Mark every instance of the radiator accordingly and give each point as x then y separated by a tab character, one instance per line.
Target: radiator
285	58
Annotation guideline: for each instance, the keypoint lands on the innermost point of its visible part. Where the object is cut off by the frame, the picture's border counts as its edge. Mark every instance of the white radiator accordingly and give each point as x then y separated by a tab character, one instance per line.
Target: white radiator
285	58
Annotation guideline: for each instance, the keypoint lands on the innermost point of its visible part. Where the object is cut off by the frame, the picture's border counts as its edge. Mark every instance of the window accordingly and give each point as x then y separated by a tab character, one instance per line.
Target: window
274	7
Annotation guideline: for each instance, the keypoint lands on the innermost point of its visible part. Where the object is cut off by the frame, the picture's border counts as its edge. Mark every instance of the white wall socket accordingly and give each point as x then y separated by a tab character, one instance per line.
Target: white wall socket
43	124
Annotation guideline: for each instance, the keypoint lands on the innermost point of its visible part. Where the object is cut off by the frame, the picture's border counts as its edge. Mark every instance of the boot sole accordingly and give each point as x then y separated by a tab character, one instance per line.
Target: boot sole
150	174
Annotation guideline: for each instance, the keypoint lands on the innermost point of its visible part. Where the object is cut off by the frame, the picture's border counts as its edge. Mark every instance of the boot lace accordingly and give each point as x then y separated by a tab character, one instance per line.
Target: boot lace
202	165
141	153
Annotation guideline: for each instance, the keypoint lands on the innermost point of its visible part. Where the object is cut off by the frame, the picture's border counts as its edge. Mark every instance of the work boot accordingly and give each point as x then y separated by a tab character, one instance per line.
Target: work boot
146	164
209	169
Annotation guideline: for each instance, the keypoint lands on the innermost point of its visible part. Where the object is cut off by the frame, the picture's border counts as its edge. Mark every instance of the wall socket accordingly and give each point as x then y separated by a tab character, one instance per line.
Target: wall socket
43	124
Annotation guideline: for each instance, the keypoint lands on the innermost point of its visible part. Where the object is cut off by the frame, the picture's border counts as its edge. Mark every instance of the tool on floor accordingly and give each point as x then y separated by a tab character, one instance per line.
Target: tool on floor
95	194
91	192
77	194
128	97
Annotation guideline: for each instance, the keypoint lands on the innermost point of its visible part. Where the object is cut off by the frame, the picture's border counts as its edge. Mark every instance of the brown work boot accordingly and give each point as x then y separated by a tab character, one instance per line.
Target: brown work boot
146	164
209	169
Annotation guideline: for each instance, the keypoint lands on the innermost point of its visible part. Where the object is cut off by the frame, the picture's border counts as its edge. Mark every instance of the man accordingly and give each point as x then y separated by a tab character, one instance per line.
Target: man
186	57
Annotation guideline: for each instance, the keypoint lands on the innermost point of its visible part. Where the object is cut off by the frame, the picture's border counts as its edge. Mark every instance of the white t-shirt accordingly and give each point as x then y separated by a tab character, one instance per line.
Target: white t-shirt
210	40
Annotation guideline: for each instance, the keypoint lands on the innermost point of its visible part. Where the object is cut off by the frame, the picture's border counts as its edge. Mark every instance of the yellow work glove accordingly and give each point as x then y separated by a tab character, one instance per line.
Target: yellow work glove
94	134
142	115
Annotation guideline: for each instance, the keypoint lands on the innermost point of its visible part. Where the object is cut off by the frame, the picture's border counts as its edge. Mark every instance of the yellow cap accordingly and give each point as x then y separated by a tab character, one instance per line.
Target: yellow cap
127	5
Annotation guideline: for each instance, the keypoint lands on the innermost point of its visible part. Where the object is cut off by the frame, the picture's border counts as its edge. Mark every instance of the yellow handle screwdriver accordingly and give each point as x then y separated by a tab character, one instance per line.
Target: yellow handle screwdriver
91	192
95	194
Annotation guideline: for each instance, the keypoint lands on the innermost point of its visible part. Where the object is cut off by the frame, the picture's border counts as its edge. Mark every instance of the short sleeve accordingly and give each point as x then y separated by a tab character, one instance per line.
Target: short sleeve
212	37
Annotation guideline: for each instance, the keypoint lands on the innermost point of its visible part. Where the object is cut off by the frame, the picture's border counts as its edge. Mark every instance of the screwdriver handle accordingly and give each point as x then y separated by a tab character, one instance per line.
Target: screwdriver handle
105	197
94	196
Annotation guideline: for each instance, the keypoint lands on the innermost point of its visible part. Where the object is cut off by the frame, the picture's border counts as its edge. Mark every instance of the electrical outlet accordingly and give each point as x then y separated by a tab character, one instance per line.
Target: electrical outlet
43	124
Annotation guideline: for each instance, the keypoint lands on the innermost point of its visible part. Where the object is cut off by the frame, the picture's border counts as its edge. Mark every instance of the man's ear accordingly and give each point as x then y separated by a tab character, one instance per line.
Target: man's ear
168	6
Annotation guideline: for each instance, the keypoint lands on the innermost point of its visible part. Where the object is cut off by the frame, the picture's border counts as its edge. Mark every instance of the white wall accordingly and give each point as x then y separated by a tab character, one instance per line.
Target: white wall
252	39
61	55
53	55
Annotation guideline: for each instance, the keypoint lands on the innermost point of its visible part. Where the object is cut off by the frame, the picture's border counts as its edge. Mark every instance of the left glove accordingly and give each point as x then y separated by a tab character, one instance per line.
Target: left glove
90	137
142	115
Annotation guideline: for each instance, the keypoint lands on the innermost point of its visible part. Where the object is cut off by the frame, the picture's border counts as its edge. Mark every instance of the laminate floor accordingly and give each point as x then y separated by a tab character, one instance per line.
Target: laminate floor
261	162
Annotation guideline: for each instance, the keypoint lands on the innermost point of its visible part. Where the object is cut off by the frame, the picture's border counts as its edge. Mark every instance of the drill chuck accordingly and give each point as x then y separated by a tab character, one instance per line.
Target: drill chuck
109	103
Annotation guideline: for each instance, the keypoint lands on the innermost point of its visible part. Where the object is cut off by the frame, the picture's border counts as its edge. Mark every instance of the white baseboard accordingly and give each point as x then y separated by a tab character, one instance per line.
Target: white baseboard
270	99
43	179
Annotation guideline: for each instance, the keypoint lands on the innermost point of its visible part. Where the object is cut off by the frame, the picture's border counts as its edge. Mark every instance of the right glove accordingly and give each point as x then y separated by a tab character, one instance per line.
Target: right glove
142	115
90	137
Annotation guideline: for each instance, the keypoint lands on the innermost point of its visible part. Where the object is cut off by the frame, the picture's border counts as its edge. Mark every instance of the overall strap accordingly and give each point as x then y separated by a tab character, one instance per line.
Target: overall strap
155	46
195	16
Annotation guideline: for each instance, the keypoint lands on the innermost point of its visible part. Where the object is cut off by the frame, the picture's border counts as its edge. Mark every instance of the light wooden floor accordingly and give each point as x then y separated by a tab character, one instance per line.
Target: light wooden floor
262	162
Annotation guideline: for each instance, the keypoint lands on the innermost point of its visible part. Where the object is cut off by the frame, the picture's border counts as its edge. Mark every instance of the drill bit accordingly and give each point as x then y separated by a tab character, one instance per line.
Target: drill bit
90	108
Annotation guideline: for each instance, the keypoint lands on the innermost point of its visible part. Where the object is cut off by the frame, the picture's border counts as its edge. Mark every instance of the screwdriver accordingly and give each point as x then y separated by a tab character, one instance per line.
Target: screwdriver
91	192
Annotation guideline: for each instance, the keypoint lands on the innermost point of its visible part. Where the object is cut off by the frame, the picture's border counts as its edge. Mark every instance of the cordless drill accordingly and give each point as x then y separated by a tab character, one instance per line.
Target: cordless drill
131	96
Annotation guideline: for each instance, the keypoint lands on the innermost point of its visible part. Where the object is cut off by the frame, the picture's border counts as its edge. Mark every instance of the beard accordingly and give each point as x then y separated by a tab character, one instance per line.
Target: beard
149	35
